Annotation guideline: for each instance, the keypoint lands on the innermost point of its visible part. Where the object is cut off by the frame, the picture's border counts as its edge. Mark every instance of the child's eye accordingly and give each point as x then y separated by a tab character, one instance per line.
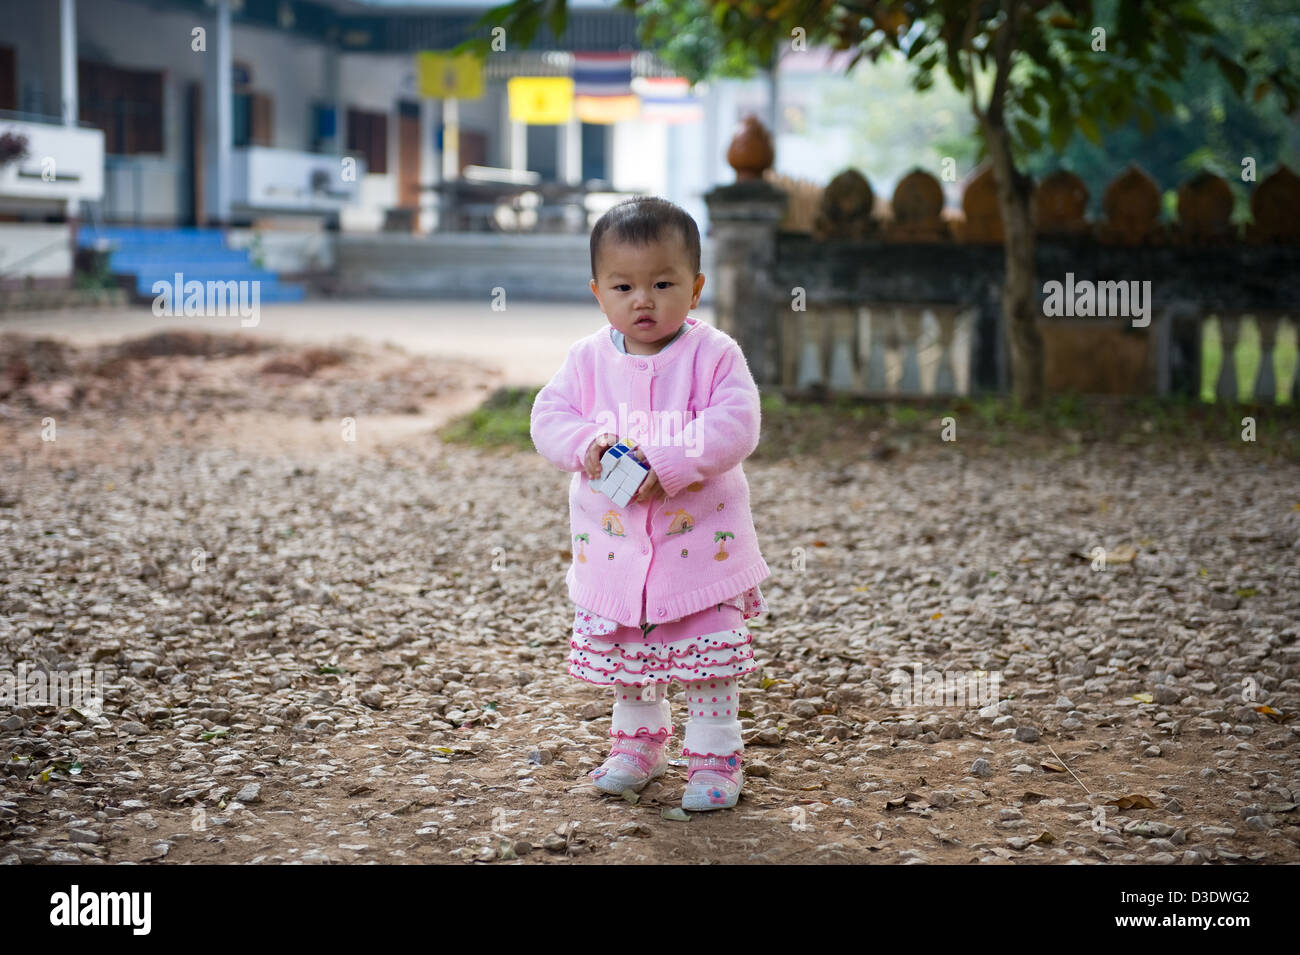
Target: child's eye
663	283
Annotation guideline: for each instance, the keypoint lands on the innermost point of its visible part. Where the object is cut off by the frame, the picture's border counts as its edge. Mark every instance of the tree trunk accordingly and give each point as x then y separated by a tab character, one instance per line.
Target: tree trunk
1020	287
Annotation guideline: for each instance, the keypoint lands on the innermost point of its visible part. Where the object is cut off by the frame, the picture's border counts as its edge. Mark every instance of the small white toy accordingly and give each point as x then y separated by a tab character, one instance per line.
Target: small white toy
620	473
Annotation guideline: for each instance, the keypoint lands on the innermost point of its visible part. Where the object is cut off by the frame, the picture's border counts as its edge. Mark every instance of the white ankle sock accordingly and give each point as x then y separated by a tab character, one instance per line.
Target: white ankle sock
643	711
714	725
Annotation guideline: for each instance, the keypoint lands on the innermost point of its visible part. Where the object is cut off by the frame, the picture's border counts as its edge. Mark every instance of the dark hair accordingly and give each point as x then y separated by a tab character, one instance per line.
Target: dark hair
645	219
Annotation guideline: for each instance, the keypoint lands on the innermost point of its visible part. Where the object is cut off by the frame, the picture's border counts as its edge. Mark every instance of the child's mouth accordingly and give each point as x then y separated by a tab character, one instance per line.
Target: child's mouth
644	322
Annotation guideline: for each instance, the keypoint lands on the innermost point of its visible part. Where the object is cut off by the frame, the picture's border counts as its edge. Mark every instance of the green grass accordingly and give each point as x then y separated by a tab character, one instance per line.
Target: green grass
502	420
845	429
798	430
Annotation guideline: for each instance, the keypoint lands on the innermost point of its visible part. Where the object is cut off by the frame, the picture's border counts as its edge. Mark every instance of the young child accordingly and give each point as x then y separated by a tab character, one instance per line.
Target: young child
663	586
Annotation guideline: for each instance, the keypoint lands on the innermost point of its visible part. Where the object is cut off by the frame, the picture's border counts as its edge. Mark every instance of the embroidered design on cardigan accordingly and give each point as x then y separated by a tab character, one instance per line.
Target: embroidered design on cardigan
611	525
682	522
721	538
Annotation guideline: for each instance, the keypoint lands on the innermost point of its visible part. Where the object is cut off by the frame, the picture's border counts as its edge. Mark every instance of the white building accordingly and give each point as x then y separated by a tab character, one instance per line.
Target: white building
235	114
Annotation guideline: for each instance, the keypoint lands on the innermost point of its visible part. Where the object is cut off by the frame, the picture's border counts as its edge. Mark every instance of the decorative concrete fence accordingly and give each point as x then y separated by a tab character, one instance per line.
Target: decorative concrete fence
832	291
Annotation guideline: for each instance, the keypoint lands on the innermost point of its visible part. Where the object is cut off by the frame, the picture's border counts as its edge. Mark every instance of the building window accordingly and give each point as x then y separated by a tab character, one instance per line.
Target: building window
322	126
368	138
251	114
126	104
8	79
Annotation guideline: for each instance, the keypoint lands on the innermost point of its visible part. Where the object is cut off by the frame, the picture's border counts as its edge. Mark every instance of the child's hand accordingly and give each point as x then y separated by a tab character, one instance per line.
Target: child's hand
596	450
649	487
650	484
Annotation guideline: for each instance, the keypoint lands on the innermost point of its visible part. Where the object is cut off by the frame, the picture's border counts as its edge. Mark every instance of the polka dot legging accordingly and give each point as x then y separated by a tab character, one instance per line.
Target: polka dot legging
642	712
714	726
710	698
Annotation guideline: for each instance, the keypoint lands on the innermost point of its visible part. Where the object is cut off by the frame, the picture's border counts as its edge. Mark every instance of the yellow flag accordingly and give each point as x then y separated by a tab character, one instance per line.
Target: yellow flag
441	76
541	100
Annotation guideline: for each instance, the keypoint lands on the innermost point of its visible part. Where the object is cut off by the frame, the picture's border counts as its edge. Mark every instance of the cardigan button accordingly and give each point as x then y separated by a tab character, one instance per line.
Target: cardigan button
641	364
661	612
645	548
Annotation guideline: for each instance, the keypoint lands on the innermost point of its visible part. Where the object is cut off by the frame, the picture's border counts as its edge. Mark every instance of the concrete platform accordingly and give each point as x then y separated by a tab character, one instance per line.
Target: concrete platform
527	342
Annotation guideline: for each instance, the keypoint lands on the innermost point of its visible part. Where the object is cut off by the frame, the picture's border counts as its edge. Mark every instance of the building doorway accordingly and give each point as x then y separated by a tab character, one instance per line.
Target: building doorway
543	146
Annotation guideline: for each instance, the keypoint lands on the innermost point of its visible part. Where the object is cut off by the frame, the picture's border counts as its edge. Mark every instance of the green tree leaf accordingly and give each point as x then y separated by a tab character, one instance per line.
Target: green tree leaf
1029	134
1160	99
1088	126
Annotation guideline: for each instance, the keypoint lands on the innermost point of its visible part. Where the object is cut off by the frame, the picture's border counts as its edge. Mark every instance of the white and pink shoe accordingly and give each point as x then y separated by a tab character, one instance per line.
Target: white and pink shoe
713	782
633	762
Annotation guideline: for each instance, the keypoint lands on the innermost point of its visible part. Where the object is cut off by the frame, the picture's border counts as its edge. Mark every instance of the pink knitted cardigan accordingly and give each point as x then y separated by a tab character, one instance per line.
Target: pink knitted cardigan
694	411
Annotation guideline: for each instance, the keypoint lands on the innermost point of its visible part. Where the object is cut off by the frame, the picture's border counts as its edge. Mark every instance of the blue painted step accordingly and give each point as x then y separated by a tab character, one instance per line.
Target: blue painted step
132	259
150	255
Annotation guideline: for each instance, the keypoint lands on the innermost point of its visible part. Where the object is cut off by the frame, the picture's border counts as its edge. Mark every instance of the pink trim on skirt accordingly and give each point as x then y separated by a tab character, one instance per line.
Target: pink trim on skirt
713	642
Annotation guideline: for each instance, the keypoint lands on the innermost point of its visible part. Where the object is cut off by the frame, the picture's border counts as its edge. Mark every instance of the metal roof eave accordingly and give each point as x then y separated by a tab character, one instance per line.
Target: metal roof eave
407	32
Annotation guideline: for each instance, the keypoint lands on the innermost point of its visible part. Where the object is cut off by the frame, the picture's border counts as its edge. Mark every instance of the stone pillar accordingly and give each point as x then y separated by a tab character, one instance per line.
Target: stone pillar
944	382
989	350
429	167
1229	331
338	147
337	104
843	373
518	145
877	371
571	151
1180	326
1295	373
218	116
69	108
910	321
450	139
1265	391
745	217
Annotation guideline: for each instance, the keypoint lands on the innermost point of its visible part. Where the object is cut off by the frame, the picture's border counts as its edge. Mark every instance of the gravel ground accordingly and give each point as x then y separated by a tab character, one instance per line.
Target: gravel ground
318	650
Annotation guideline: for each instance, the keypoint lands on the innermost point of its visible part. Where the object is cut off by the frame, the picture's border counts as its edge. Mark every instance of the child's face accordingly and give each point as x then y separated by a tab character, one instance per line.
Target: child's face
646	291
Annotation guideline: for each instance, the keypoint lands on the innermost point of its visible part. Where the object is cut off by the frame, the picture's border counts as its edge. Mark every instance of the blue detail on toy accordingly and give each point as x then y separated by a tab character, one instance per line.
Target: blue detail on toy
621	474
